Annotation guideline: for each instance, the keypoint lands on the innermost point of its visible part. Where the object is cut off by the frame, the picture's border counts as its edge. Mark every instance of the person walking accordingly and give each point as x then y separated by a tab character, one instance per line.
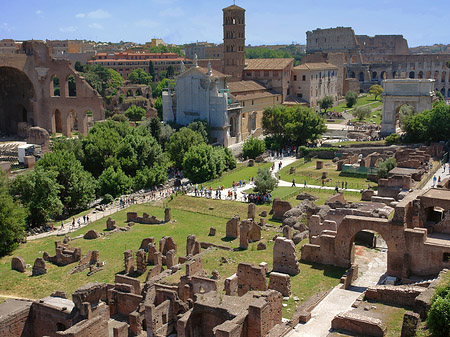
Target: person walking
305	182
293	183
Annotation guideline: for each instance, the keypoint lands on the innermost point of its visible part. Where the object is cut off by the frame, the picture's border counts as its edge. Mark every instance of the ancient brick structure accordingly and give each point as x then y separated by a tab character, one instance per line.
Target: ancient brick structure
250	277
128	261
32	96
145	242
91	259
91	234
285	257
280	282
39	267
279	208
141	261
144	219
64	254
251	211
165	244
18	263
232	229
111	224
171	258
192	246
358	324
167	215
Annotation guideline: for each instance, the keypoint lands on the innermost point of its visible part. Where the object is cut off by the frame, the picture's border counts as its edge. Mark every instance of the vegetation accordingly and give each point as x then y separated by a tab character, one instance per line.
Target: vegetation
393	138
12	219
438	319
362	112
350	98
293	125
114	182
135	113
265	182
265	53
376	90
385	166
180	143
139	76
101	79
166	49
253	147
326	103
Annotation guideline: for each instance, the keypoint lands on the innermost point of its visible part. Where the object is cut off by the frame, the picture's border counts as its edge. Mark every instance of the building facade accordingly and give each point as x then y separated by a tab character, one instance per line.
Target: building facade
234	41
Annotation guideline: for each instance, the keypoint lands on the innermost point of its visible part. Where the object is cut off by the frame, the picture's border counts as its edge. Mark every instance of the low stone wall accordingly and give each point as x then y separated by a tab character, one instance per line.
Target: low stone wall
358	324
396	295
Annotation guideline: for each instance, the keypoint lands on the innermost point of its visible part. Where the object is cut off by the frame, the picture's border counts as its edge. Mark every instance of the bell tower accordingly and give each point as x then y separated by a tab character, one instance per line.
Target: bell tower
234	41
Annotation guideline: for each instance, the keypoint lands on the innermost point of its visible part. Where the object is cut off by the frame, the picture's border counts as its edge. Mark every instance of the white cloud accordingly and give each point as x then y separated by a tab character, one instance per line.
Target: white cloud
69	29
95	26
172	12
99	14
80	15
6	27
38	12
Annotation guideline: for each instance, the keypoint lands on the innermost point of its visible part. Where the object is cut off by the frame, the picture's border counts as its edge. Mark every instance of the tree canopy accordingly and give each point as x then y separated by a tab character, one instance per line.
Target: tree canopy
253	147
296	125
264	181
139	76
135	113
351	97
180	143
101	78
326	103
376	90
362	112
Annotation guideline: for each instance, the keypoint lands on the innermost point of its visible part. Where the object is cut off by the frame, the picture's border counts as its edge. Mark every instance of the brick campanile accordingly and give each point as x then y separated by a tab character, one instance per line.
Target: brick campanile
234	41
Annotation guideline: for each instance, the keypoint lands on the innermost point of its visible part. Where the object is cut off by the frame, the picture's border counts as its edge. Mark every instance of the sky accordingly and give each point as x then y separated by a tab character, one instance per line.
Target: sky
186	21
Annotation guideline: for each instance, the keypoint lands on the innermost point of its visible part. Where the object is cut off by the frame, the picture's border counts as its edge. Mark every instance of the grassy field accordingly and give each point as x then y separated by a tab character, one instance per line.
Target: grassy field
189	216
241	172
371	119
362	100
363	143
313	176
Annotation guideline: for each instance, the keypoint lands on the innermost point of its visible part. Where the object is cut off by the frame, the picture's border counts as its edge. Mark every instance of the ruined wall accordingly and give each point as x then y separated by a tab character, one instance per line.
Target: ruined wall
17	322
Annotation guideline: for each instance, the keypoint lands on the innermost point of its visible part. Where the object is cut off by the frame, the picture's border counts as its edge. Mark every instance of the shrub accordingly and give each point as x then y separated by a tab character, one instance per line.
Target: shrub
385	166
351	97
107	198
135	113
264	182
362	112
119	118
438	319
393	138
253	148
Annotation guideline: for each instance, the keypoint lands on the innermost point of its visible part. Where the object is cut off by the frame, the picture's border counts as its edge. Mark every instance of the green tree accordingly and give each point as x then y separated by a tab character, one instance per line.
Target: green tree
438	319
149	177
199	164
202	127
78	66
393	138
155	127
351	97
166	132
180	143
151	70
114	182
72	86
230	161
119	117
385	166
12	219
362	112
38	191
162	84
139	76
376	90
326	103
264	181
253	147
158	105
439	95
77	185
170	71
166	49
135	113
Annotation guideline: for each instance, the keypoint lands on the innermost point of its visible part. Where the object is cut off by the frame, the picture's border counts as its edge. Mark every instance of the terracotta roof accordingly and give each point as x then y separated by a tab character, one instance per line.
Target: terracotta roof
267	64
243	86
233	7
215	73
266	93
316	66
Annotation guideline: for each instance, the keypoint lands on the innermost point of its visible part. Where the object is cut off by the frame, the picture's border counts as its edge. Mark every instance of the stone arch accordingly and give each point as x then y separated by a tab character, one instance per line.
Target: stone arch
428	74
55	86
129	93
71	86
60	327
420	75
361	76
395	74
383	75
138	92
352	74
436	75
443	92
443	76
448	93
411	74
374	76
17	95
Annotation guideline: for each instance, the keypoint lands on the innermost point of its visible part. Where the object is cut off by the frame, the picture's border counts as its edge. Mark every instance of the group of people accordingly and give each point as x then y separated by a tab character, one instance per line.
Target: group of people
258	198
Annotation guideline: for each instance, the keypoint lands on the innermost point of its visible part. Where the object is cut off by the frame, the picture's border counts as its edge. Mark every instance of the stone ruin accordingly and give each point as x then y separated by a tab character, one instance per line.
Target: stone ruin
193	246
18	263
128	261
111	224
91	235
232	228
285	257
39	267
280	207
251	211
91	261
64	254
280	282
149	220
249	231
39	136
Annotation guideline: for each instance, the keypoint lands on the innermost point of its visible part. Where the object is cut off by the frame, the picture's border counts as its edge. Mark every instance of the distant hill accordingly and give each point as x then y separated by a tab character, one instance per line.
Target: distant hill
434	49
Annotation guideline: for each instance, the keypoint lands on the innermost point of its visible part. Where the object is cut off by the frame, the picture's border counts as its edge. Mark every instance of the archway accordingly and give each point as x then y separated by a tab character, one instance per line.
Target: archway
361	76
443	77
352	74
55	88
428	74
443	92
58	121
411	74
394	74
383	75
448	93
232	127
71	86
374	76
420	75
403	112
60	327
436	75
16	99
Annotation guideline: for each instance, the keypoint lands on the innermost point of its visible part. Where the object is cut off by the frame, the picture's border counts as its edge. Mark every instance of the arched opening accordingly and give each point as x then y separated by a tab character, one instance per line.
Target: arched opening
369	252
403	112
232	127
352	74
138	92
144	323
411	74
383	75
374	76
58	121
443	77
436	75
71	86
16	99
443	92
428	74
129	93
394	74
361	91
420	75
448	93
55	89
60	327
203	322
361	76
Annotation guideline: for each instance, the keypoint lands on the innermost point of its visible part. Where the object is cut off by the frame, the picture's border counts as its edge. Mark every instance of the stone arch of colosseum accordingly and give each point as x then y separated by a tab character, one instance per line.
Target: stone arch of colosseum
27	93
419	93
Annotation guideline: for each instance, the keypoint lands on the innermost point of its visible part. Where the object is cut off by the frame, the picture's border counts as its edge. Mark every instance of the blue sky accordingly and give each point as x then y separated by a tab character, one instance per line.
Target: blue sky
184	21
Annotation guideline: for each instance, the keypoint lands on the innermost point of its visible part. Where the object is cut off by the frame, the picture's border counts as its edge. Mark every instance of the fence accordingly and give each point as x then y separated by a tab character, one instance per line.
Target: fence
363	171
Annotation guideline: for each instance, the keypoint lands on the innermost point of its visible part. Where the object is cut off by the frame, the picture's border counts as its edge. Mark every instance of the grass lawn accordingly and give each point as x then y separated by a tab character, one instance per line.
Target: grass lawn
362	143
189	216
362	100
377	119
241	172
313	176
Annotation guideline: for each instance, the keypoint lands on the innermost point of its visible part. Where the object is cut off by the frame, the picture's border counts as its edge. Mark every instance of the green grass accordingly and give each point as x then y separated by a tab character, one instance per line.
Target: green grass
313	176
362	100
370	119
241	172
354	142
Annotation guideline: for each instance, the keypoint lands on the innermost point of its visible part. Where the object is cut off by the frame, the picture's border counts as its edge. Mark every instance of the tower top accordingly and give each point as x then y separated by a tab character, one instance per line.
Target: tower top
233	7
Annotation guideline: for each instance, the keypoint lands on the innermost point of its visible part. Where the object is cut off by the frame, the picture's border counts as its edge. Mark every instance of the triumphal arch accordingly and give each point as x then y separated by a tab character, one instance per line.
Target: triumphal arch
418	93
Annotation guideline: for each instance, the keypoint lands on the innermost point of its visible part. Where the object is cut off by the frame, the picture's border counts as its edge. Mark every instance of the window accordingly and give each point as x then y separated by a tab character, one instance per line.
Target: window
249	74
446	257
257	73
295	77
266	73
275	73
253	102
300	95
304	78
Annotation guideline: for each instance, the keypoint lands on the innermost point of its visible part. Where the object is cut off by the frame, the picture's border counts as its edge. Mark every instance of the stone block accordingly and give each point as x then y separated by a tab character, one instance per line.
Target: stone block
287	232
280	282
285	257
261	246
29	161
411	322
39	267
128	261
132	216
358	324
212	231
319	164
232	227
91	234
251	211
171	258
18	263
141	261
279	208
145	242
167	215
367	195
111	224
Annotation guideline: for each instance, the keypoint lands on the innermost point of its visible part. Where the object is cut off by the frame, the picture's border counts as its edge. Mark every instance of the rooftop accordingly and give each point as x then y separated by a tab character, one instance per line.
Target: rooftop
267	64
244	86
316	66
